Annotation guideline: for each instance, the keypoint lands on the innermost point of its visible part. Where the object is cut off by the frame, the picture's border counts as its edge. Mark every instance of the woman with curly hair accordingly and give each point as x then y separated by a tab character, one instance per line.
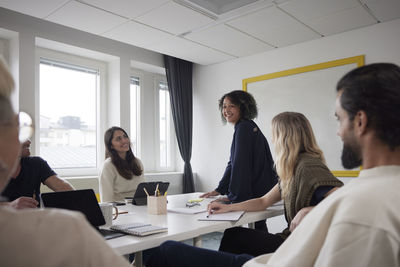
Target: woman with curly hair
122	171
250	171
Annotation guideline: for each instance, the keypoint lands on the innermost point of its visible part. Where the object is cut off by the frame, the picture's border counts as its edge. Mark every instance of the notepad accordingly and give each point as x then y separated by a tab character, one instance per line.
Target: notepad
187	210
139	229
228	216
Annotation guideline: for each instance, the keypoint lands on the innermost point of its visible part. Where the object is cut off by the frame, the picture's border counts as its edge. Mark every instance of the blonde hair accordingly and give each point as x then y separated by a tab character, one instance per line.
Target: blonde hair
292	134
6	80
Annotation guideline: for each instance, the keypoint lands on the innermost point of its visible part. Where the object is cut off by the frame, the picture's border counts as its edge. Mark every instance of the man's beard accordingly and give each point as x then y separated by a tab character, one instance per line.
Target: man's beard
351	156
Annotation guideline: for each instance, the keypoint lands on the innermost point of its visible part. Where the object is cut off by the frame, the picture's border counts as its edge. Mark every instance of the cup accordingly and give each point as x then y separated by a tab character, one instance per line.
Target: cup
157	205
107	210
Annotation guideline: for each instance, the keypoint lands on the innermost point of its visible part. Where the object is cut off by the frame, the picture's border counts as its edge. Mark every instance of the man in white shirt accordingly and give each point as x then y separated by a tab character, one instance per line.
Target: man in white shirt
358	225
46	237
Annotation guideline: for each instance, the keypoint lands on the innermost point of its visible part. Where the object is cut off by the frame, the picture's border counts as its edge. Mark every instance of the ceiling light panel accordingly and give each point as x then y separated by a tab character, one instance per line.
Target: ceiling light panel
190	51
137	34
230	41
37	8
306	10
174	18
345	20
127	8
219	7
384	10
274	27
85	18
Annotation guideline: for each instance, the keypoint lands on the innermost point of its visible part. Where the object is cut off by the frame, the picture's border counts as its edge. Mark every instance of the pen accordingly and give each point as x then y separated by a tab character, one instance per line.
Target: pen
147	193
208	215
155	192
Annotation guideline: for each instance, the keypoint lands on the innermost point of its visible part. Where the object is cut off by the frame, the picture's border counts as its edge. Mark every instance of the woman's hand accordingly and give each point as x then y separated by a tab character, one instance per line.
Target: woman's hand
299	217
217	207
24	203
222	200
209	194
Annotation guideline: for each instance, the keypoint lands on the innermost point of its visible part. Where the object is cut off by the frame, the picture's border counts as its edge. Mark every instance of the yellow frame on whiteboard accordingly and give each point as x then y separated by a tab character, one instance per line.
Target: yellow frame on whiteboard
359	60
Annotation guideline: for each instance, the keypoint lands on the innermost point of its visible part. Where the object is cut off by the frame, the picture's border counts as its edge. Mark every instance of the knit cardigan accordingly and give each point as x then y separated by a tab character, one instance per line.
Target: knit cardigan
310	173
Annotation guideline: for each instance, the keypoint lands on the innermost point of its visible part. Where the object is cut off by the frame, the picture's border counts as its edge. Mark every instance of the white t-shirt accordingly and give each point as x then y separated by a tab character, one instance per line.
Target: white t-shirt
358	225
114	187
51	238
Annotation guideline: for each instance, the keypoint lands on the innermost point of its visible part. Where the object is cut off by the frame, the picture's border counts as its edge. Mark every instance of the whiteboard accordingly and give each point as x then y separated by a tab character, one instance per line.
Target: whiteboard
312	93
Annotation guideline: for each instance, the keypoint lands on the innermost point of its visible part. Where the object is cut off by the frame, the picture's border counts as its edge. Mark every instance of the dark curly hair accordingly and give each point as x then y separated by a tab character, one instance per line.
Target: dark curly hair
244	100
375	89
125	167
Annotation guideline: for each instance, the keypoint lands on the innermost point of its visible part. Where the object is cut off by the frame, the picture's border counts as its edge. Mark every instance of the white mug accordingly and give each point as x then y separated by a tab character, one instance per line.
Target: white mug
107	210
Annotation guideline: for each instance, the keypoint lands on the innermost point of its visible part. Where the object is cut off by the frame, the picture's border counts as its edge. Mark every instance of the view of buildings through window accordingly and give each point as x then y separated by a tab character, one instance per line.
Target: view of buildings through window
68	115
165	125
135	114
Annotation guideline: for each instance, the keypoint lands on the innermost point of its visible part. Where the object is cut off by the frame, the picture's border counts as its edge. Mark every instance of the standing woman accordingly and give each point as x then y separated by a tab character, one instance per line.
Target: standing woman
122	171
250	171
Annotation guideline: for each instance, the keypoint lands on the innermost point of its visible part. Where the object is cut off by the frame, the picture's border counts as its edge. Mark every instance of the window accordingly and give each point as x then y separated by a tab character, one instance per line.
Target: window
68	113
135	115
165	127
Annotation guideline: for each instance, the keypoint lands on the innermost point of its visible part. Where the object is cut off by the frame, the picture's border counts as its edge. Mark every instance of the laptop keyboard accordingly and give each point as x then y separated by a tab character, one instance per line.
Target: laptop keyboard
108	234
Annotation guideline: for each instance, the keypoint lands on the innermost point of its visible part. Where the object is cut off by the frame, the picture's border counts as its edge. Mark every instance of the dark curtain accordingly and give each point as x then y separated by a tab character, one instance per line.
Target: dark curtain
179	77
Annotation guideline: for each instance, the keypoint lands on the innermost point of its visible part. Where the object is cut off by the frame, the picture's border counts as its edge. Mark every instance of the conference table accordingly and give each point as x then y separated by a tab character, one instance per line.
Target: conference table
180	226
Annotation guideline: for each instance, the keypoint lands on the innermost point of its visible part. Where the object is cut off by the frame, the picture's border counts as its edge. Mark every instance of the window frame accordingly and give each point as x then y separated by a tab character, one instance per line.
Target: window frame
139	97
172	141
101	107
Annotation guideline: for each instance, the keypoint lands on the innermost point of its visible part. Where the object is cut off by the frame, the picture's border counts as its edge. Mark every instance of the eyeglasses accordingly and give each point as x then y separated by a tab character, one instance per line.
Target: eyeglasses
25	126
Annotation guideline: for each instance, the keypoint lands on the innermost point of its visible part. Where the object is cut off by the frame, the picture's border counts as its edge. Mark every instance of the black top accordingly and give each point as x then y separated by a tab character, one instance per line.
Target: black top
34	171
250	171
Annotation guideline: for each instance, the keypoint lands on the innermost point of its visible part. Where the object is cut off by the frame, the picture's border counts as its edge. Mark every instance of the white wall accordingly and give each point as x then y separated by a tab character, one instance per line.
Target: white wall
174	179
211	140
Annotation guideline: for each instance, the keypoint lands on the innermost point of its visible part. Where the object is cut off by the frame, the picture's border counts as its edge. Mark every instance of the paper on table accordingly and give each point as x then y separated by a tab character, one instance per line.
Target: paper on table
228	216
187	210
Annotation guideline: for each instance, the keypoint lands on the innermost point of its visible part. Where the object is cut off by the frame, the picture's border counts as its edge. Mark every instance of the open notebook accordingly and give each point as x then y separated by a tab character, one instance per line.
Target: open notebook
228	216
138	229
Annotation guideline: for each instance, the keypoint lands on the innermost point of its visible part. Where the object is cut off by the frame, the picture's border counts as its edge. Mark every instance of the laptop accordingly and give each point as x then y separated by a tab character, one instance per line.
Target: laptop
140	196
84	201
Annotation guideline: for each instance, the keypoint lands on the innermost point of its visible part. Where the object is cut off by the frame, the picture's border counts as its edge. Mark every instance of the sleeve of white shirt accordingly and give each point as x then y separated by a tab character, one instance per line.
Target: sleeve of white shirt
259	261
349	244
106	185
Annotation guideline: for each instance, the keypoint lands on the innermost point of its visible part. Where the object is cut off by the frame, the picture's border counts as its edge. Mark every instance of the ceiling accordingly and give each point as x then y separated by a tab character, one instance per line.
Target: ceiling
210	31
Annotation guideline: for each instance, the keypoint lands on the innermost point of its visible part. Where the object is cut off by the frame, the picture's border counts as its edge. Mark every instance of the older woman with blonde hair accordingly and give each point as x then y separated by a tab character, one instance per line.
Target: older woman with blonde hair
304	181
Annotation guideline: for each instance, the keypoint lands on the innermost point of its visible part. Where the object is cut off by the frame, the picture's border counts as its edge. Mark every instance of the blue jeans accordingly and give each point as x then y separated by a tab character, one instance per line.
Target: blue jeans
176	254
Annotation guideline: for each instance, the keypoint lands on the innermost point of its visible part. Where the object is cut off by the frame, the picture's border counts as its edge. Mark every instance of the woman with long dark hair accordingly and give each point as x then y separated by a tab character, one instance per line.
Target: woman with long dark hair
122	171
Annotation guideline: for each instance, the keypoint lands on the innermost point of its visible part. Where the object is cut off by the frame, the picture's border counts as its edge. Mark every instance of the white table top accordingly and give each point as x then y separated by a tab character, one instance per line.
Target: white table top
180	226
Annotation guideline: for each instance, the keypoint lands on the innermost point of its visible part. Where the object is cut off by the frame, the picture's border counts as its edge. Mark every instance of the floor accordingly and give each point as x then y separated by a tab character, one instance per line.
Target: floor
209	241
212	240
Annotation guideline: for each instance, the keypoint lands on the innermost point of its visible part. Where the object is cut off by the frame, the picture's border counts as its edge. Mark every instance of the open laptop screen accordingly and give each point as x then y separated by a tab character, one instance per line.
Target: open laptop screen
140	196
79	200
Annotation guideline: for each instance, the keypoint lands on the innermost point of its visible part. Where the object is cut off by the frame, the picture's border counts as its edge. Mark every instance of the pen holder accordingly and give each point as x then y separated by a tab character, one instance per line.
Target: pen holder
157	205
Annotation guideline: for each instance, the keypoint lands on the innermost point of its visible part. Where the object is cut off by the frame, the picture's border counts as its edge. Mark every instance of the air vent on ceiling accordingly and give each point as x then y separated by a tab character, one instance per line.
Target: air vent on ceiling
214	8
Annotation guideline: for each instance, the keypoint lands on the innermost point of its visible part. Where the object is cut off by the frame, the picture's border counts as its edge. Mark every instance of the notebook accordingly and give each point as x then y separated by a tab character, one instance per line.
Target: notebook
187	210
228	216
139	229
79	200
140	197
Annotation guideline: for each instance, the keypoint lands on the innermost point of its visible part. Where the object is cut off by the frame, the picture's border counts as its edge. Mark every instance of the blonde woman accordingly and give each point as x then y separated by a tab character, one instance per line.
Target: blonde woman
304	182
